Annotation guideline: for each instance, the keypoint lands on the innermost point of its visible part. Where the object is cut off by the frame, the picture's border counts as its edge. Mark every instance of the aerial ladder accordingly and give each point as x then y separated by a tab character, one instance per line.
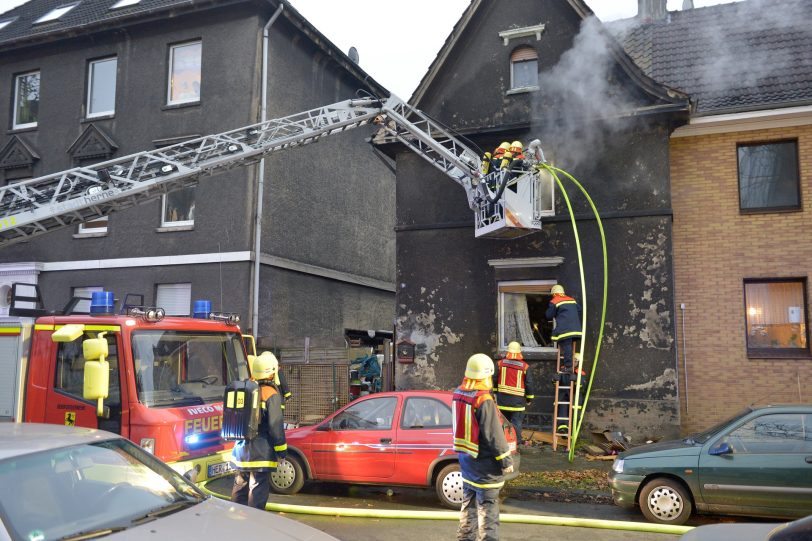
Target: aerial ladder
506	204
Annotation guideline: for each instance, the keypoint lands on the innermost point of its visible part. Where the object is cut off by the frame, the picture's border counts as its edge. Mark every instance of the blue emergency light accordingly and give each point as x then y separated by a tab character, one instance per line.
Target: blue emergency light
102	303
202	309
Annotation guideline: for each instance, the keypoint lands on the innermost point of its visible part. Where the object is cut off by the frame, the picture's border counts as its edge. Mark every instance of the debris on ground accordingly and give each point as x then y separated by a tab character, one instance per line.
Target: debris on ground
585	479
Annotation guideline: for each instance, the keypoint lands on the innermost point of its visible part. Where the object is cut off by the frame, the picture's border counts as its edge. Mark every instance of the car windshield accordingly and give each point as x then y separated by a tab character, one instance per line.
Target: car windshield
181	368
88	490
702	437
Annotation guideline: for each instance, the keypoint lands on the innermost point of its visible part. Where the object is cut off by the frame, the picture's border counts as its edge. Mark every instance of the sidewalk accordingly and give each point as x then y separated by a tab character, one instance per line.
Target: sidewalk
550	475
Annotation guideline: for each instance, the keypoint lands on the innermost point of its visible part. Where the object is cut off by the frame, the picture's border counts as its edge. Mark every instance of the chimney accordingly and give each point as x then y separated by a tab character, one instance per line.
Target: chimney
687	4
651	10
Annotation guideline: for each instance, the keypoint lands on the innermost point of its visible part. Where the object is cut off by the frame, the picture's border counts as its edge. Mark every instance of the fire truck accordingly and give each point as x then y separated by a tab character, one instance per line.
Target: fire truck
159	380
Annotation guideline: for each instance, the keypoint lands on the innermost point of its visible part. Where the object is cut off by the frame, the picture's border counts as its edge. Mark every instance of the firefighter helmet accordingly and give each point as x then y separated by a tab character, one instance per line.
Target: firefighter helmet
557	290
514	347
265	366
479	366
501	149
516	147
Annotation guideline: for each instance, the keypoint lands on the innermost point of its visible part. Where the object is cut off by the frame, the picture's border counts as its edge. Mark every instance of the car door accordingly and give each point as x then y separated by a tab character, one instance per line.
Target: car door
769	466
423	436
357	443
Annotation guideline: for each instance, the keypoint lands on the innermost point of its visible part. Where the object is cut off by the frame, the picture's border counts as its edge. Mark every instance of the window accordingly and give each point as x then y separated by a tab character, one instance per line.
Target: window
425	413
70	367
56	13
521	315
7	22
101	87
124	3
524	68
372	414
774	433
94	227
184	73
83	307
768	176
175	299
26	100
776	317
178	208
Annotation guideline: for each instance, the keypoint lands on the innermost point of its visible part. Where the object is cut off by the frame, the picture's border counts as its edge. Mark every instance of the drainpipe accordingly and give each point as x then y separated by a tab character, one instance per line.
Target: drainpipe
261	180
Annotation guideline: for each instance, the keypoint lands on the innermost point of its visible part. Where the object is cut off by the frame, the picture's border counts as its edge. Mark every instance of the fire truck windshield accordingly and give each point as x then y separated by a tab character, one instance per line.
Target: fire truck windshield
181	368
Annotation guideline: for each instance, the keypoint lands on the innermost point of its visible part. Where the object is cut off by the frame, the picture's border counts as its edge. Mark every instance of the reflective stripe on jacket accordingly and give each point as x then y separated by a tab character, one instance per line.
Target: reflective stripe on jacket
262	452
567	314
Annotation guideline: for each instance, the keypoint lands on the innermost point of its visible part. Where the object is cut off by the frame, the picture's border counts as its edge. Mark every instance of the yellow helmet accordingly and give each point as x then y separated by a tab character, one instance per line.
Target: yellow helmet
265	366
557	290
514	347
479	366
504	145
516	146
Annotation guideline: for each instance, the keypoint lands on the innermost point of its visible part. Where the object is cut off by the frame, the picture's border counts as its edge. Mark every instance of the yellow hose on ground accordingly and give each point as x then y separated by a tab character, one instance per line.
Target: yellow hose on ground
454	515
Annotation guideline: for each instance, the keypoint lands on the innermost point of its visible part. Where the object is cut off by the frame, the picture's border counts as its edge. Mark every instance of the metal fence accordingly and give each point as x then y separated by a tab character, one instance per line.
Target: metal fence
318	390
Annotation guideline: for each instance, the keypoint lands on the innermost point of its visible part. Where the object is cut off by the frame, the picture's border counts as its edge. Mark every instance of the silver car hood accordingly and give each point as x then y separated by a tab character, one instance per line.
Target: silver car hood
218	519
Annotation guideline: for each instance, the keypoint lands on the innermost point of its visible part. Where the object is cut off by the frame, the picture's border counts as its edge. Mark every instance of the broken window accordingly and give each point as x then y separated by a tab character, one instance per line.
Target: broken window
522	307
776	317
768	176
179	208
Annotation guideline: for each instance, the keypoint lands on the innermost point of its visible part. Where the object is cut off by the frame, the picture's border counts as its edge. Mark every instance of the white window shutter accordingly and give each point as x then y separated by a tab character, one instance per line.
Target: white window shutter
83	307
175	299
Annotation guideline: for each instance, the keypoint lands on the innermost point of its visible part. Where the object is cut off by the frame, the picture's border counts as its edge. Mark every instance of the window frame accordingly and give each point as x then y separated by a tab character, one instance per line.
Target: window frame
90	64
84	291
176	285
500	307
17	78
114	381
179	223
766	353
514	62
770	209
170	71
98	230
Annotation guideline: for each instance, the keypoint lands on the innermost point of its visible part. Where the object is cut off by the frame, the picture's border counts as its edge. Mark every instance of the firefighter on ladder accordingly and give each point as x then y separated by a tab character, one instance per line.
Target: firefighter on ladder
483	450
567	315
513	386
254	459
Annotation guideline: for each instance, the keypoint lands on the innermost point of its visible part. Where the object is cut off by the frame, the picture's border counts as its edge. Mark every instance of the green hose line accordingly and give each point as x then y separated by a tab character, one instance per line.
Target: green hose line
455	515
578	419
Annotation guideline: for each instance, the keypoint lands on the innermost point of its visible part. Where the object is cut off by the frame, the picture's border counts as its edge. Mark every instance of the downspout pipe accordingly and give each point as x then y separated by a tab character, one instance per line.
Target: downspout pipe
261	174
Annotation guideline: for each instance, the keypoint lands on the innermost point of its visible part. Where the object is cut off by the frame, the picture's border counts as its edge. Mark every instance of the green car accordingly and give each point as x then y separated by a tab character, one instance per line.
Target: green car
757	463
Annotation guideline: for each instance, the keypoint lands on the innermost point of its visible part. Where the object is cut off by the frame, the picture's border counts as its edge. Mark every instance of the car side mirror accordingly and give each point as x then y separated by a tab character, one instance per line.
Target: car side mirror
721	449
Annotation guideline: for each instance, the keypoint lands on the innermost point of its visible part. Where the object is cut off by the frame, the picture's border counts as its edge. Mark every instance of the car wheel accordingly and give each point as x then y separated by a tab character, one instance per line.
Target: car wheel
289	476
665	501
449	486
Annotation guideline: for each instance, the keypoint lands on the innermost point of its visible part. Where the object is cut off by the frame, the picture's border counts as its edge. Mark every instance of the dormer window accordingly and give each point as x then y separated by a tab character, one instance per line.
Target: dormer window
56	13
524	68
124	4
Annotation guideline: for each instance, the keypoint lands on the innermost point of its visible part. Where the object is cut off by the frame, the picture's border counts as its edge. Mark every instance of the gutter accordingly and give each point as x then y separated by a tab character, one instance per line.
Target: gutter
261	172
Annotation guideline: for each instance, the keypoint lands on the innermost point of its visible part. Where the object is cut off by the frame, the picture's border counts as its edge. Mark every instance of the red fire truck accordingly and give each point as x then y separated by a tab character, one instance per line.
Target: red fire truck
165	386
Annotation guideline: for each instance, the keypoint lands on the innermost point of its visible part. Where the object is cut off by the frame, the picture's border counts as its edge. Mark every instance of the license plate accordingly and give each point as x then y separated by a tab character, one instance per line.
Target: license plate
219	469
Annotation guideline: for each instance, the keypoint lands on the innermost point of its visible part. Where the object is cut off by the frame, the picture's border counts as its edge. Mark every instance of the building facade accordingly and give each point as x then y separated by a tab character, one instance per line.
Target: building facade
520	70
101	79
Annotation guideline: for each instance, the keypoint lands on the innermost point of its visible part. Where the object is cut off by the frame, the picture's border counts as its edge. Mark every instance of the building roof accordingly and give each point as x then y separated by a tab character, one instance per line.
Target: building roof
729	58
95	15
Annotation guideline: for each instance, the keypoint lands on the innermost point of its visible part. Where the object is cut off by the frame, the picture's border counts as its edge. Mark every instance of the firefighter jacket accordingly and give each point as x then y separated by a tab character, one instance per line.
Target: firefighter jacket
284	390
513	384
268	448
478	435
567	315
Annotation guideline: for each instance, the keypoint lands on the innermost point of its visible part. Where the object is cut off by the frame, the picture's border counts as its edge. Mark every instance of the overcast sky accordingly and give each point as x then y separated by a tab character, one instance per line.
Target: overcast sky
398	39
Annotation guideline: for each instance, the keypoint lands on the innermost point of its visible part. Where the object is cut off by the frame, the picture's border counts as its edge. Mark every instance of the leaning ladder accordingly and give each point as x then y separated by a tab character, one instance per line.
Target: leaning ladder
563	401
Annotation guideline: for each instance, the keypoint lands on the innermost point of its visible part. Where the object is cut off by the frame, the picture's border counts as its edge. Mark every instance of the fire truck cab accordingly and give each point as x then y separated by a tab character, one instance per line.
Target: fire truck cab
158	381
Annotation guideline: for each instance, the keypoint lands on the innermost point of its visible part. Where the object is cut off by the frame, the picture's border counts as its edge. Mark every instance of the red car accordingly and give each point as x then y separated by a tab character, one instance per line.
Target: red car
397	438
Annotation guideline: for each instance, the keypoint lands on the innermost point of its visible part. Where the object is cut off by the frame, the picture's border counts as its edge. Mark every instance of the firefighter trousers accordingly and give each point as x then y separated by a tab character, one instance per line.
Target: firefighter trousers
251	487
479	514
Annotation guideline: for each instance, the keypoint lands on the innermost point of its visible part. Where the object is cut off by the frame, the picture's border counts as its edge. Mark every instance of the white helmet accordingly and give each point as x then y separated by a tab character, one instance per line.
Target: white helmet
479	366
265	366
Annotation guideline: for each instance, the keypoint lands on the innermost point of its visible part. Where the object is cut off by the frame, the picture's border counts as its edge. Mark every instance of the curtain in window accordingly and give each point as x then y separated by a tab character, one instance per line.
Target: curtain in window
517	320
775	314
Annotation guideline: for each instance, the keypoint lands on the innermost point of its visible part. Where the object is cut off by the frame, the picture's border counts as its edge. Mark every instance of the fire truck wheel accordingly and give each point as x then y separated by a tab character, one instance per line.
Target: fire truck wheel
289	476
449	486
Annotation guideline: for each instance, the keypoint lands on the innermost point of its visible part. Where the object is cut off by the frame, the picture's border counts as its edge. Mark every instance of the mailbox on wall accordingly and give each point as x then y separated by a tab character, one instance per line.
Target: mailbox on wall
405	352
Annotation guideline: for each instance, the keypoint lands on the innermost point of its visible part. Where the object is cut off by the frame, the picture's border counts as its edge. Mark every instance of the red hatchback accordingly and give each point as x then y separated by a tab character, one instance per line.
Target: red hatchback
397	438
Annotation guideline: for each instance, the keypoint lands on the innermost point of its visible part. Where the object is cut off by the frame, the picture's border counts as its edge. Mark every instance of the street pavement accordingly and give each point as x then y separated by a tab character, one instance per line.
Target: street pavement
371	498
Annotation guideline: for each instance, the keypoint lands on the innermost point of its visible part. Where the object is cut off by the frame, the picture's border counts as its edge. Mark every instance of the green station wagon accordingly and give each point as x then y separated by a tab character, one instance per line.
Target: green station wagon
757	463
